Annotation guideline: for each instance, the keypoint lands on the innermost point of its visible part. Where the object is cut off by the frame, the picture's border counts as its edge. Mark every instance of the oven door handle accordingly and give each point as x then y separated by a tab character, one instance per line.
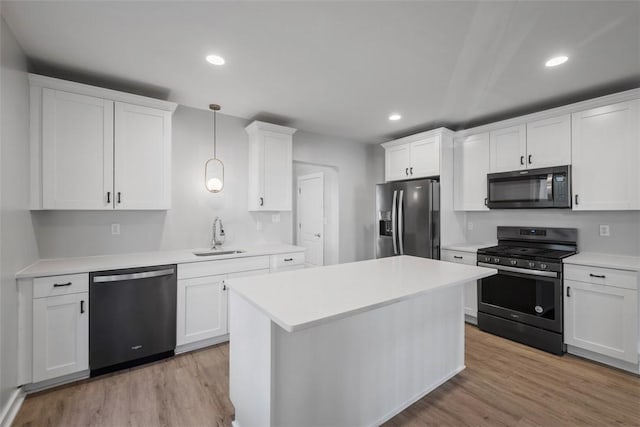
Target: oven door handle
520	270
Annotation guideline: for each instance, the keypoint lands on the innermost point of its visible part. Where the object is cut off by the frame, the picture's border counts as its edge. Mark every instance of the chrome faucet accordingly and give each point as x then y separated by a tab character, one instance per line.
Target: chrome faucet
218	234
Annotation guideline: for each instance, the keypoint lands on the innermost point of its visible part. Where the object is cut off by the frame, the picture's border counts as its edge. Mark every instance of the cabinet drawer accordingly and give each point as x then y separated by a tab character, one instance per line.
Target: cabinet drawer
60	285
458	256
602	276
286	260
226	266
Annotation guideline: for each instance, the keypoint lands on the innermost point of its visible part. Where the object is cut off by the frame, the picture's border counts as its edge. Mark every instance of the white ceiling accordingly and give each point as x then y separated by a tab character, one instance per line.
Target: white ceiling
340	68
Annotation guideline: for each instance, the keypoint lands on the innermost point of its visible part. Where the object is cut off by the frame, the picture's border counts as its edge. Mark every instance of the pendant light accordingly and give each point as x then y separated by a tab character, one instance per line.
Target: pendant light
214	169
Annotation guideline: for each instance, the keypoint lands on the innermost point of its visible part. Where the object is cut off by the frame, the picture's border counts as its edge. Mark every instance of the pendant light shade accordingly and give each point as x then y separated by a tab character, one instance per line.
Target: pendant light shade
214	168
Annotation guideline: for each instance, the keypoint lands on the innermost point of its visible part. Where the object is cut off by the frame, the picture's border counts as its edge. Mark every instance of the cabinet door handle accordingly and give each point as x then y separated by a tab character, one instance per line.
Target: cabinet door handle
411	170
224	285
576	197
486	201
599	276
569	291
530	159
457	257
59	285
108	197
82	307
119	198
261	201
522	160
406	171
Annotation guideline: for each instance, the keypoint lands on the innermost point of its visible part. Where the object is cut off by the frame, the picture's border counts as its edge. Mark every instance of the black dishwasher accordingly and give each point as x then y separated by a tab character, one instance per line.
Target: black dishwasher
132	317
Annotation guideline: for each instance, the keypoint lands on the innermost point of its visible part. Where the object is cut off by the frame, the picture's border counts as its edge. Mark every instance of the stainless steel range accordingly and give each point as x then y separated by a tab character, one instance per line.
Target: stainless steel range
523	302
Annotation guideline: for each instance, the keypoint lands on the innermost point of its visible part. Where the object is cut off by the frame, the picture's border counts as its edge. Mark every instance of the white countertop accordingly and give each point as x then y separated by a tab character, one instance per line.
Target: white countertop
623	262
468	247
54	267
304	298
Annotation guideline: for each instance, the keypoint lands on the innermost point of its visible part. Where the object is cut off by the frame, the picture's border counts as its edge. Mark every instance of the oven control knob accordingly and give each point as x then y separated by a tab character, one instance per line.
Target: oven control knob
496	260
532	264
513	262
543	266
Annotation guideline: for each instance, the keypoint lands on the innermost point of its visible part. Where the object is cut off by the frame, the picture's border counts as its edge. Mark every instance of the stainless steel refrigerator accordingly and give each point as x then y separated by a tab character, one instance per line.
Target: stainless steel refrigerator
408	218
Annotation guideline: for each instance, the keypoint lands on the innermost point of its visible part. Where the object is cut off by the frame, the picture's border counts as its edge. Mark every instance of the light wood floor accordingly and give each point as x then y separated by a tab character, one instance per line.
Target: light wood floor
505	384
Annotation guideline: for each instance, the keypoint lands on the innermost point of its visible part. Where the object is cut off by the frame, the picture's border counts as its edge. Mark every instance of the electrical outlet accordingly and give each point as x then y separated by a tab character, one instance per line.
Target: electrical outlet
604	230
115	229
275	218
259	225
469	226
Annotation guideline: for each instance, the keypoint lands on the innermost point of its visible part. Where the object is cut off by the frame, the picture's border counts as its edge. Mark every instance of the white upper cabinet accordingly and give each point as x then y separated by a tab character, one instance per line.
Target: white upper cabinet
270	166
538	144
397	160
606	154
549	142
142	157
471	163
508	149
77	151
98	149
416	156
425	157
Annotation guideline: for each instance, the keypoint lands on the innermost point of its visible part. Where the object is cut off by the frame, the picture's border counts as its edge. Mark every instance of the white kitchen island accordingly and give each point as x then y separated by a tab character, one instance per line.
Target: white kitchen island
345	345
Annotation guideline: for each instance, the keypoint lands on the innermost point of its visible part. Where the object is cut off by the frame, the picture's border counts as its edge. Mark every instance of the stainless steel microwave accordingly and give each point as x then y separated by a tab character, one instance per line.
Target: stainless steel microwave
530	189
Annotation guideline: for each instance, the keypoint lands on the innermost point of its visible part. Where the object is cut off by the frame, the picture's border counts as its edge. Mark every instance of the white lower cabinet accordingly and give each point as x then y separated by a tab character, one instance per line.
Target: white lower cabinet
60	335
470	288
600	317
202	309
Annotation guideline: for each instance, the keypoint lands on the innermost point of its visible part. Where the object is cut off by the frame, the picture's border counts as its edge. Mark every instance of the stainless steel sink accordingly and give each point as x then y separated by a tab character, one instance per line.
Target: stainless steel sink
213	252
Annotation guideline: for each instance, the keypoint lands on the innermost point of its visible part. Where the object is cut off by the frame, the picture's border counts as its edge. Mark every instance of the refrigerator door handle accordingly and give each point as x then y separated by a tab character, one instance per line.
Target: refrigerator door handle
400	224
394	231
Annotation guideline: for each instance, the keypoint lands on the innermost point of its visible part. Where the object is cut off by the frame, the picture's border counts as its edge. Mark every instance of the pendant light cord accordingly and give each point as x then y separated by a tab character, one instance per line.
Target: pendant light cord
215	129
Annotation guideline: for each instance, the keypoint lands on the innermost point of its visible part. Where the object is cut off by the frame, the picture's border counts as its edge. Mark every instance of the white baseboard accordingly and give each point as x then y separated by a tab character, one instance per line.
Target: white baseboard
12	407
620	364
201	344
473	320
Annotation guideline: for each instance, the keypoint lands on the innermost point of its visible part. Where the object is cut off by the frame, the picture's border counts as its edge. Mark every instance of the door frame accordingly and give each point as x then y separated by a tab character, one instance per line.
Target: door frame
300	178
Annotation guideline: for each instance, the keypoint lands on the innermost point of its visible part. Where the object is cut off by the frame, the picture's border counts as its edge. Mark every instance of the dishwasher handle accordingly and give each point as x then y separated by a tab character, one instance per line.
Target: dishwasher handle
134	276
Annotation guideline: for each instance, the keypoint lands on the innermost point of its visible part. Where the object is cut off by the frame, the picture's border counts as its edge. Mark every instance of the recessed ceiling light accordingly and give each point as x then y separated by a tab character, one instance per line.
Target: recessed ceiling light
556	60
215	59
394	117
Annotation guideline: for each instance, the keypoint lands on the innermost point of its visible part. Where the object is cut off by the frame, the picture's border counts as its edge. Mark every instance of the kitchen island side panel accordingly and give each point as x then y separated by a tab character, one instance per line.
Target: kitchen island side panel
356	371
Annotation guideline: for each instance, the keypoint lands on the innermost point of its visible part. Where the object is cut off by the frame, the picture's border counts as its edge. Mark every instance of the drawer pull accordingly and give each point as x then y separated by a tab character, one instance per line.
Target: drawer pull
59	285
599	276
457	257
288	259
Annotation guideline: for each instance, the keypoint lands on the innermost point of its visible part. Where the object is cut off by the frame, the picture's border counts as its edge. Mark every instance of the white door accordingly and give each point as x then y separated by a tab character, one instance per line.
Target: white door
606	154
603	319
310	216
425	157
202	308
60	335
277	172
509	149
397	162
549	142
471	165
77	151
142	157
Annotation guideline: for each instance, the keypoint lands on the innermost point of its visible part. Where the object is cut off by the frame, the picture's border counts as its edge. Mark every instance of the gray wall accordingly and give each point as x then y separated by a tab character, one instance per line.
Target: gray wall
188	223
625	227
17	241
